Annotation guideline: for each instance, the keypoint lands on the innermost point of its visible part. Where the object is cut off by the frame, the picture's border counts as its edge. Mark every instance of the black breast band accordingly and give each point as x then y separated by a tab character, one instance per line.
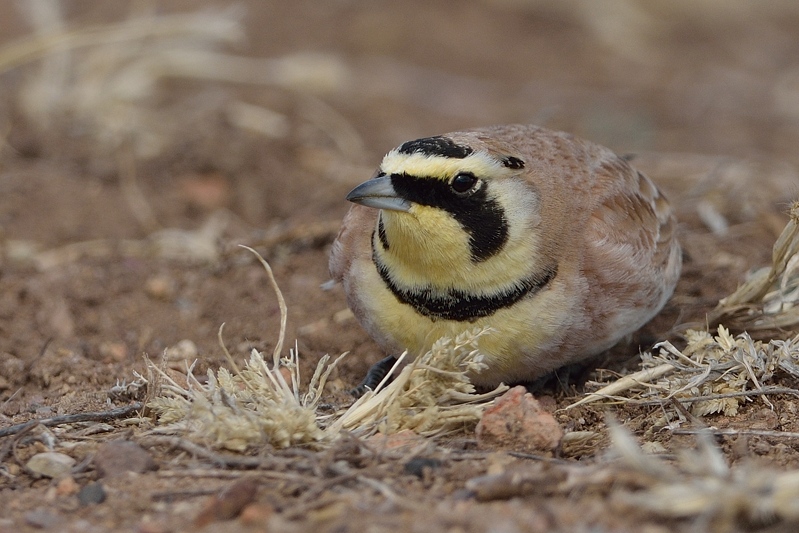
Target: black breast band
454	304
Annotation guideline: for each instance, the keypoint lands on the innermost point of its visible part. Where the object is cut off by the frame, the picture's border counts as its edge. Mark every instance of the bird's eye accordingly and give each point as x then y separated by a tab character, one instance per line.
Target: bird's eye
463	182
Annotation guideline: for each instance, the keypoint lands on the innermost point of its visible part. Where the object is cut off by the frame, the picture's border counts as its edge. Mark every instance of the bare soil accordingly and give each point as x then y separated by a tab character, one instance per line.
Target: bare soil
668	81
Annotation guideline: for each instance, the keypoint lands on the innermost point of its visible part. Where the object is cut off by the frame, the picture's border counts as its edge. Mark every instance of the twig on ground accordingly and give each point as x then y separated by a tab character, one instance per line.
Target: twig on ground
692	399
224	459
100	416
11	444
225	474
319	488
627	382
180	494
387	492
736	432
300	511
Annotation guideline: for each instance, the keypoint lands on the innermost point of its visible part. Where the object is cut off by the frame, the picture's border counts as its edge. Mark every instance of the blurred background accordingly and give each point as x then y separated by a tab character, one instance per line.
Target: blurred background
684	75
271	93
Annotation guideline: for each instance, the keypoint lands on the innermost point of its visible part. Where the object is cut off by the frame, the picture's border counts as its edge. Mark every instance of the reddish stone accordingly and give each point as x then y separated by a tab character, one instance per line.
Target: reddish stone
517	422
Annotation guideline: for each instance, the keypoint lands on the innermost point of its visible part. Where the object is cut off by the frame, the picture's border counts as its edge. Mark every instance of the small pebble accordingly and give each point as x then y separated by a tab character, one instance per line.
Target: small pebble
160	288
417	466
42	518
228	503
405	440
148	525
67	487
185	349
93	493
256	514
653	448
120	456
211	190
115	351
51	464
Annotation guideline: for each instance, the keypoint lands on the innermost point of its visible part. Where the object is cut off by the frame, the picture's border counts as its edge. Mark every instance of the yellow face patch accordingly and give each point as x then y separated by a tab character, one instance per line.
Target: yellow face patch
425	244
481	164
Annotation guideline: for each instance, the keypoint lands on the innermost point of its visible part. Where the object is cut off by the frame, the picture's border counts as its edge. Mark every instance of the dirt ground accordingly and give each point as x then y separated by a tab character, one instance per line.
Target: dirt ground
122	204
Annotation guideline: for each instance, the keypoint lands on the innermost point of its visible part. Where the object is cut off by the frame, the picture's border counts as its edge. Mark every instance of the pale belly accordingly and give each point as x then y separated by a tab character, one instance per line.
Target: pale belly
525	342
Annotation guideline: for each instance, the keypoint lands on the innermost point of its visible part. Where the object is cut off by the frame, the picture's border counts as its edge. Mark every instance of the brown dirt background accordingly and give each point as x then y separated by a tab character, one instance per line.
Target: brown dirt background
667	80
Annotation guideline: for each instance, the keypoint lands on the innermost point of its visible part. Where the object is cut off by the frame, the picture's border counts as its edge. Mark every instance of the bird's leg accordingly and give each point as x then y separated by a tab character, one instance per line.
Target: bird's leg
374	376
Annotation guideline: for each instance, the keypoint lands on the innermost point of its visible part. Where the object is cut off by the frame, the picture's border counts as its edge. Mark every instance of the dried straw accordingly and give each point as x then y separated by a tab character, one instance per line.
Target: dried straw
258	404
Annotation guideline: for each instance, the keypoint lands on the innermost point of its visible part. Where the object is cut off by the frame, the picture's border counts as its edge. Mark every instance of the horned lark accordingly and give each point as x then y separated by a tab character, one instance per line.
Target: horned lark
557	244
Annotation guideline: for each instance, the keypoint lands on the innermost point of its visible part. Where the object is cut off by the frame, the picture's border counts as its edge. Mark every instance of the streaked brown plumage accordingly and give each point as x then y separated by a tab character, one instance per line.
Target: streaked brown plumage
558	244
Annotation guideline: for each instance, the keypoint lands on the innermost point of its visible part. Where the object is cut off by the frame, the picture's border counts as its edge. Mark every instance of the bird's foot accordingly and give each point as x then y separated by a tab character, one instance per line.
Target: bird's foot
374	376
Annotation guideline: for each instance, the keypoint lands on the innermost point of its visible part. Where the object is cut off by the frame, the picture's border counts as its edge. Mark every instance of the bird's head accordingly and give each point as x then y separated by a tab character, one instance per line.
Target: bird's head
453	212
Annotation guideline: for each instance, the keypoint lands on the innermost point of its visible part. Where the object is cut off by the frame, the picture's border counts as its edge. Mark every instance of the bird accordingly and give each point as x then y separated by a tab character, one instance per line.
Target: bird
558	245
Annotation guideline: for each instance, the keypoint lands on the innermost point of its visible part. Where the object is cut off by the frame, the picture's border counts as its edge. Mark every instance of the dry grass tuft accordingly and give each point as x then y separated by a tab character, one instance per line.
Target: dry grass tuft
431	396
261	404
712	374
769	299
247	407
236	411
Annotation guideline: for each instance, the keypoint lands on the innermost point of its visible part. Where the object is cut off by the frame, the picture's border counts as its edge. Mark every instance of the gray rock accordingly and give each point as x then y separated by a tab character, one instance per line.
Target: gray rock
42	518
93	493
120	456
51	464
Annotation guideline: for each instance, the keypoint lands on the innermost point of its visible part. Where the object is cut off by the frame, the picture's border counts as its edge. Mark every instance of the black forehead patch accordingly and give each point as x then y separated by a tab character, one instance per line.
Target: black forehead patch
512	162
438	145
